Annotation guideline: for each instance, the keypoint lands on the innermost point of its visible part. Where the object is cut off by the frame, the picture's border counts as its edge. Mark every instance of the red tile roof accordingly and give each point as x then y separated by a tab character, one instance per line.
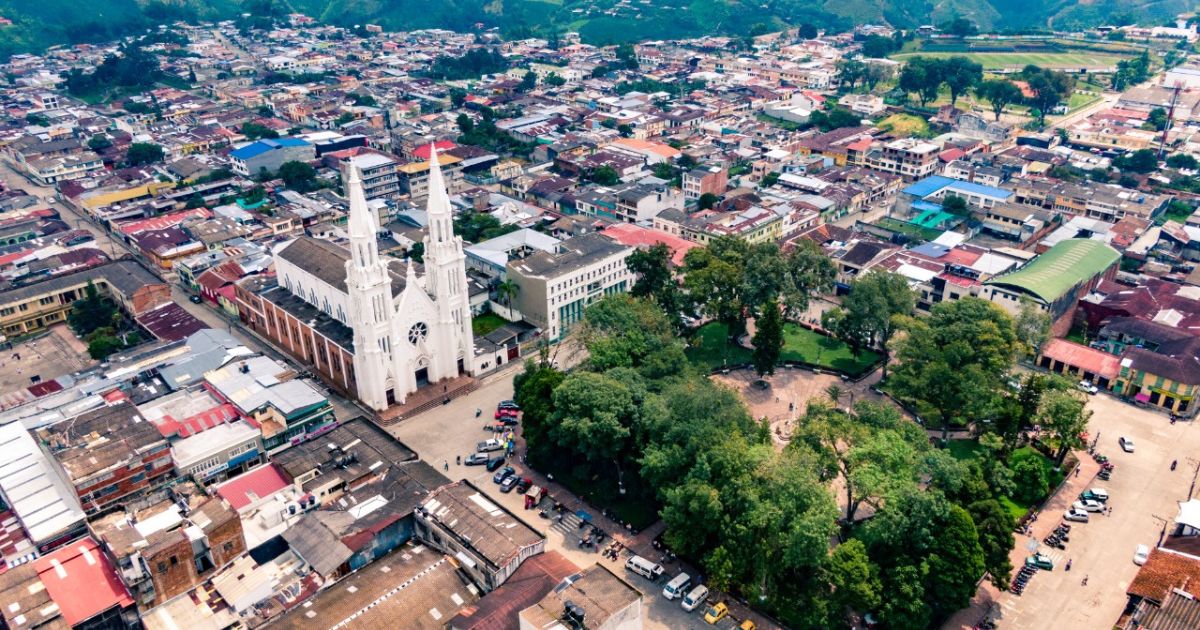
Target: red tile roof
422	152
637	236
81	581
169	426
1087	359
1163	571
260	482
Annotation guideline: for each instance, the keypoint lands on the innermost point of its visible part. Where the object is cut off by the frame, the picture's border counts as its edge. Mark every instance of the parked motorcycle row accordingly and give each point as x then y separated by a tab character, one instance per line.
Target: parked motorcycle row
1022	579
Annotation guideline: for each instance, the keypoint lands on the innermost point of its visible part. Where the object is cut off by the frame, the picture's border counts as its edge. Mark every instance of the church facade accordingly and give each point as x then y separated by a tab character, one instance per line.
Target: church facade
423	334
373	326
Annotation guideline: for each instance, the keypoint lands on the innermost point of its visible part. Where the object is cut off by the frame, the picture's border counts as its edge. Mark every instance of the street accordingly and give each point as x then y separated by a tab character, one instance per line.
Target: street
1144	498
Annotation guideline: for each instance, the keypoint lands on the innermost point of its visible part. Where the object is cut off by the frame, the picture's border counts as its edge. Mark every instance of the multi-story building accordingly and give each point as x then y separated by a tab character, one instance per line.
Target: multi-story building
556	287
74	587
170	547
378	173
595	598
110	459
251	159
414	176
909	158
631	203
704	180
284	407
1096	201
32	307
51	170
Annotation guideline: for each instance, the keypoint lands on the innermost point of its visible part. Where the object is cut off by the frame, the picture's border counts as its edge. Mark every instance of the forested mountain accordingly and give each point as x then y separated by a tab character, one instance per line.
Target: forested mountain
40	23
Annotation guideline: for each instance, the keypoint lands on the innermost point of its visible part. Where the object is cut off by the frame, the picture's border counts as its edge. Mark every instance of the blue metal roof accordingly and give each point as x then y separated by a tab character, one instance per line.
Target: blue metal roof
980	189
921	205
928	186
262	146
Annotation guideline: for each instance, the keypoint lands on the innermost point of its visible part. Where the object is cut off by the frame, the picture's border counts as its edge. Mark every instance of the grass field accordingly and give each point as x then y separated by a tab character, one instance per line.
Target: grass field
905	125
1016	61
486	323
970	449
711	348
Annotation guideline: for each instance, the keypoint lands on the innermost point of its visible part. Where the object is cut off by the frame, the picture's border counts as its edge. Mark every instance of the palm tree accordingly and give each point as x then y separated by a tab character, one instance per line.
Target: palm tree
834	392
506	291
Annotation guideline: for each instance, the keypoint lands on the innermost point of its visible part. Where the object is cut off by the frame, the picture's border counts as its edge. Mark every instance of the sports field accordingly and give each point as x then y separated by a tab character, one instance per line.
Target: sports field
1016	60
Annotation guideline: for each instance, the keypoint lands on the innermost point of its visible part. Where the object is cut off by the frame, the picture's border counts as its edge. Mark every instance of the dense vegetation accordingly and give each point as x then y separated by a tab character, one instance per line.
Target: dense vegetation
40	24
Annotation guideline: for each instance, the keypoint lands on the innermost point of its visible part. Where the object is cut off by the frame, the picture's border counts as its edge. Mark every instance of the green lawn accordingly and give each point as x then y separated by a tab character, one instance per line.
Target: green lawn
970	449
802	344
905	125
1016	61
710	347
908	229
486	323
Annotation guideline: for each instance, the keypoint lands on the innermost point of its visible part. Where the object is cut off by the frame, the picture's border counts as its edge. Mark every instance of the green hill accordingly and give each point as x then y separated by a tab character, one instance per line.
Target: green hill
41	23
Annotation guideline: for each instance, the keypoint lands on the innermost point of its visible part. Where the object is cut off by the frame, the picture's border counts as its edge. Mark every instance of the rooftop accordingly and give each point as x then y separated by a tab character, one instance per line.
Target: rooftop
42	500
597	590
414	584
490	530
1069	263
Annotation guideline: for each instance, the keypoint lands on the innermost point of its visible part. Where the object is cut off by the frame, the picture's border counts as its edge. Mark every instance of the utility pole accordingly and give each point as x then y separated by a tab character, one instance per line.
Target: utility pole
1162	141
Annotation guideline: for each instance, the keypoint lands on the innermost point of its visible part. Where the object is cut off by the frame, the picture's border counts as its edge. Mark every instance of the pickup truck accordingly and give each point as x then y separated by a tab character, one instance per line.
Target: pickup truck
488	446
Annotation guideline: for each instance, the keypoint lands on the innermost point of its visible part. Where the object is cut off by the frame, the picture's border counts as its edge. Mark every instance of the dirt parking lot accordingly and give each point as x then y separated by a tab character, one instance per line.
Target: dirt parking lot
1144	497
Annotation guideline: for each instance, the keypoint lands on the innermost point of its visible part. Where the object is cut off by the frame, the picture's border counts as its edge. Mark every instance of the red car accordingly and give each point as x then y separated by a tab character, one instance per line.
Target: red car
506	413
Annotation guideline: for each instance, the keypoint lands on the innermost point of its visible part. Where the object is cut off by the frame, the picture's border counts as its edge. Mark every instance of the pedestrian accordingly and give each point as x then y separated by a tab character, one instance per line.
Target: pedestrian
446	465
1068	565
1077	471
1084	583
458	460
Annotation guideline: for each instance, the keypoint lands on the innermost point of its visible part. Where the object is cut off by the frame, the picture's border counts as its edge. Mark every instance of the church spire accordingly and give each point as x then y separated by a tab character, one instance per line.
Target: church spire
441	221
363	246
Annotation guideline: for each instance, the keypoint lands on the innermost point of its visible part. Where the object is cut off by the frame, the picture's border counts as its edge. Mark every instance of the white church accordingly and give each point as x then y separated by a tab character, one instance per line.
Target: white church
409	330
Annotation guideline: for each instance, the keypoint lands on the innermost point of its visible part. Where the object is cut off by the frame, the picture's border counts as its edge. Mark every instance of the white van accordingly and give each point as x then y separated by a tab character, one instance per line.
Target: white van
644	567
695	599
677	586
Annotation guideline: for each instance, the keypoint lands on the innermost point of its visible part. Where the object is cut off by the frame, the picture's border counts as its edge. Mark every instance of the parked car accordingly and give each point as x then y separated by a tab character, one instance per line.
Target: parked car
694	598
509	483
487	446
1126	444
523	485
195	299
1076	515
1141	555
748	625
508	404
716	612
503	473
1040	561
1095	494
476	459
1088	387
494	463
506	413
508	421
1088	506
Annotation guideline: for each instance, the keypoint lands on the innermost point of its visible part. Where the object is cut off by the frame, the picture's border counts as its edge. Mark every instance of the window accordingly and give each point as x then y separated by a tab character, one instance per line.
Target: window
162	566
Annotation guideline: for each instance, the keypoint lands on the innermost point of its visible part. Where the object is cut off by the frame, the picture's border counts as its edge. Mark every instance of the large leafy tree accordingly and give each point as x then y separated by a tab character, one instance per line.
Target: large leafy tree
713	279
871	314
593	416
768	339
1033	325
299	176
922	76
929	541
1049	87
143	153
656	279
999	93
854	581
533	389
624	331
954	363
870	452
91	312
960	74
995	526
1063	413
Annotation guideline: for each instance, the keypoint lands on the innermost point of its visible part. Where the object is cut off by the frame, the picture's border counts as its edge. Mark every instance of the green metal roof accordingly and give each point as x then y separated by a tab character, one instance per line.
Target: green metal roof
1060	268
